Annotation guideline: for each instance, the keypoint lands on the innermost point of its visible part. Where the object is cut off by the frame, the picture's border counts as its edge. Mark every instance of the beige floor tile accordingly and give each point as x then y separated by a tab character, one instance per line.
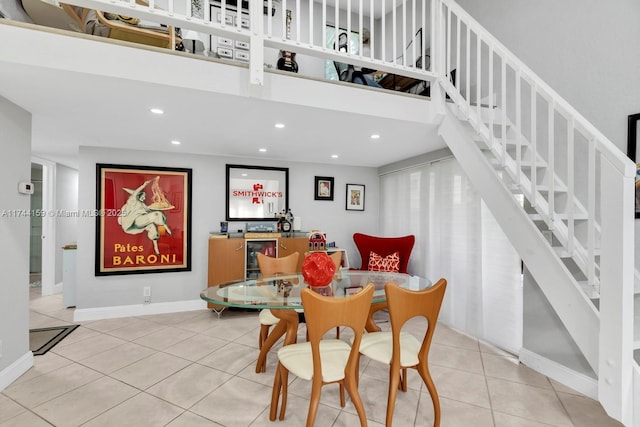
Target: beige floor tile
106	325
172	319
510	368
489	348
188	419
452	414
189	385
296	415
346	419
50	385
88	347
457	358
25	419
461	386
118	357
196	347
9	409
150	370
238	402
504	420
165	337
445	335
86	402
232	358
136	328
42	364
530	402
142	410
78	335
563	388
585	412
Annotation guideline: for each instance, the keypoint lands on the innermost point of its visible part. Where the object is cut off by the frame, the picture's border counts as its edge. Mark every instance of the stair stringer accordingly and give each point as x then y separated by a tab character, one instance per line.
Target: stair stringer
574	309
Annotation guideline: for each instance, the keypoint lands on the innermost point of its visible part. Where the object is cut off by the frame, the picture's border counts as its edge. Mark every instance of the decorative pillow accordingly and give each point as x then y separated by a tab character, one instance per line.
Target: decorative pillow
389	263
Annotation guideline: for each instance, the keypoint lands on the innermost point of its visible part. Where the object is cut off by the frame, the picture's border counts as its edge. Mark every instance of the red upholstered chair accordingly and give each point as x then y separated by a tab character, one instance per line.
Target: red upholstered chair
384	246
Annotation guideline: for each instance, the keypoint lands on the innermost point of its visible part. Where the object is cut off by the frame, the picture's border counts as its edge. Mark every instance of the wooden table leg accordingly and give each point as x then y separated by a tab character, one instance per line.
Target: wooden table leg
287	326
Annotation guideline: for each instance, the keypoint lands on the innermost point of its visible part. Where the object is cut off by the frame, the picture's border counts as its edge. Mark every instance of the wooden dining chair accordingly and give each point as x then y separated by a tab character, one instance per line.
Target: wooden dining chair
324	361
270	266
401	350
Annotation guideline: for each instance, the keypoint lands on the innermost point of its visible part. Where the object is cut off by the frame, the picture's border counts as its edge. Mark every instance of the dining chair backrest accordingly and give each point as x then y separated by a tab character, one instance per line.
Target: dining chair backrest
336	257
270	266
405	304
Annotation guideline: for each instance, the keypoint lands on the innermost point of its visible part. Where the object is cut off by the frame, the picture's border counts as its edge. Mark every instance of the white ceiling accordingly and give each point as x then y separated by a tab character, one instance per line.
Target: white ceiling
72	109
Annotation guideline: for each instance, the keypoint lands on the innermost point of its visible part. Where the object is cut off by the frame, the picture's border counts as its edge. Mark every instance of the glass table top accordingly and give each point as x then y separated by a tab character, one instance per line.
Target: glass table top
283	291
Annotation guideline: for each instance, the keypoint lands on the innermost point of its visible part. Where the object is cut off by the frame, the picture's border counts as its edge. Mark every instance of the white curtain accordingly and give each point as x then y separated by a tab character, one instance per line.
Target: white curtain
457	238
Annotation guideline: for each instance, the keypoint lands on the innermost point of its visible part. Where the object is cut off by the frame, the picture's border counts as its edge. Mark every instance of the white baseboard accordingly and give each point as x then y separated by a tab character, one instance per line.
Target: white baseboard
17	368
560	373
98	313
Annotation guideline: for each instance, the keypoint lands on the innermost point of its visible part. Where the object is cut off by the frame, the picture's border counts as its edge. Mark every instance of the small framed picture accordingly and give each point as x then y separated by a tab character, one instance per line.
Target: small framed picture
323	188
355	197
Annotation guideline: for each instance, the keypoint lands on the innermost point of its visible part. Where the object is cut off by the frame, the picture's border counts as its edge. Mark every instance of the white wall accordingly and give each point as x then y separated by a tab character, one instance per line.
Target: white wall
66	200
15	166
584	49
208	209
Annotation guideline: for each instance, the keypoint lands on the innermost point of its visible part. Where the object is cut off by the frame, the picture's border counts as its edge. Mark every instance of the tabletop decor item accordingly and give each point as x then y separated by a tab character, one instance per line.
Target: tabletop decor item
318	269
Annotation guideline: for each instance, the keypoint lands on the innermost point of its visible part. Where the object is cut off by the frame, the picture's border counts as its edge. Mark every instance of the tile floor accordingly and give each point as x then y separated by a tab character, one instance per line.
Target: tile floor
193	369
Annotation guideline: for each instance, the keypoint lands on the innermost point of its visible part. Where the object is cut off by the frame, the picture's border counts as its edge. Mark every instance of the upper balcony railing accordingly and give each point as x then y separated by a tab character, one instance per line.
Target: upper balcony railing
278	33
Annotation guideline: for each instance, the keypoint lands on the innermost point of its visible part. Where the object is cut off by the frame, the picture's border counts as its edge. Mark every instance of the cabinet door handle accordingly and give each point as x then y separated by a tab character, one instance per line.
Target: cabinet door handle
240	247
283	246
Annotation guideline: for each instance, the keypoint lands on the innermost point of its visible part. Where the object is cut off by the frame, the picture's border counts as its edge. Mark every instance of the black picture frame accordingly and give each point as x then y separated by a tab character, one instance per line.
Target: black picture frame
355	197
633	152
143	219
256	193
323	188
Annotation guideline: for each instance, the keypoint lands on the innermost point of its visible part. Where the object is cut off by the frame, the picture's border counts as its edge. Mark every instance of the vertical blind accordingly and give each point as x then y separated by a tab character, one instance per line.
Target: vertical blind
457	238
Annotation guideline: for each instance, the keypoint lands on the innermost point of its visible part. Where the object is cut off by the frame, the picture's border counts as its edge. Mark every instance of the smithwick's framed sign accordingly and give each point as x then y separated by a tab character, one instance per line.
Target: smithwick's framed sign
144	221
256	193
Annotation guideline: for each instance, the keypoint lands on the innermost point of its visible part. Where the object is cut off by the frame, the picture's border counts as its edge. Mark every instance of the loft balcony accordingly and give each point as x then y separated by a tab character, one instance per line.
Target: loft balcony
238	61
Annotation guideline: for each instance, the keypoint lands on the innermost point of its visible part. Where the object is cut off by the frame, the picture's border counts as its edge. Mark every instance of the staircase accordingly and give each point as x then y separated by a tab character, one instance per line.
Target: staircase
541	168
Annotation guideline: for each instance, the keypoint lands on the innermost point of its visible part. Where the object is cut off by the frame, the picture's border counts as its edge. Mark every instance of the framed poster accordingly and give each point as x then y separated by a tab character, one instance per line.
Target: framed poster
256	193
633	151
143	222
355	197
323	188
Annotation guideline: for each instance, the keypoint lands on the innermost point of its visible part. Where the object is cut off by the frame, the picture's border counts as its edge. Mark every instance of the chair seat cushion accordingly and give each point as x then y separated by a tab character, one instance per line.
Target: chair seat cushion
265	317
334	354
379	346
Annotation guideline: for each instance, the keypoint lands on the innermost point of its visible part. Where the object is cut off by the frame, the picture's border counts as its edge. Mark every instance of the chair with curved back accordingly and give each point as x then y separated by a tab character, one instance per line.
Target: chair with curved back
270	266
333	360
384	247
402	350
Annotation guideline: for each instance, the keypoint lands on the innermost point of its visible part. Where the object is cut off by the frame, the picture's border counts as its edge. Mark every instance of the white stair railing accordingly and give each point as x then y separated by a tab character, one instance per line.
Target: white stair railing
578	183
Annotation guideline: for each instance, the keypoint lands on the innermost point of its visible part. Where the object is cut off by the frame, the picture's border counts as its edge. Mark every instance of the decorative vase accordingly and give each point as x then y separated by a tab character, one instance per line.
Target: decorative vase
318	270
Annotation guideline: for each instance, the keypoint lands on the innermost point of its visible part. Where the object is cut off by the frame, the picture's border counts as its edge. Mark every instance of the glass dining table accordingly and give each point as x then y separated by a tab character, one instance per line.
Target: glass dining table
281	294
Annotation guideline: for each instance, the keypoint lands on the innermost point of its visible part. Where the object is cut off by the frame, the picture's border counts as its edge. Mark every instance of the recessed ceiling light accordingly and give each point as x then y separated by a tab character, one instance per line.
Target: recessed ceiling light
244	174
157	111
174	142
263	150
375	136
334	156
279	125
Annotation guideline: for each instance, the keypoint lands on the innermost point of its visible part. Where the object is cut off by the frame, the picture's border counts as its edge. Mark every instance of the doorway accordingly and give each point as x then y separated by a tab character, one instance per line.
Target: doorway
35	235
